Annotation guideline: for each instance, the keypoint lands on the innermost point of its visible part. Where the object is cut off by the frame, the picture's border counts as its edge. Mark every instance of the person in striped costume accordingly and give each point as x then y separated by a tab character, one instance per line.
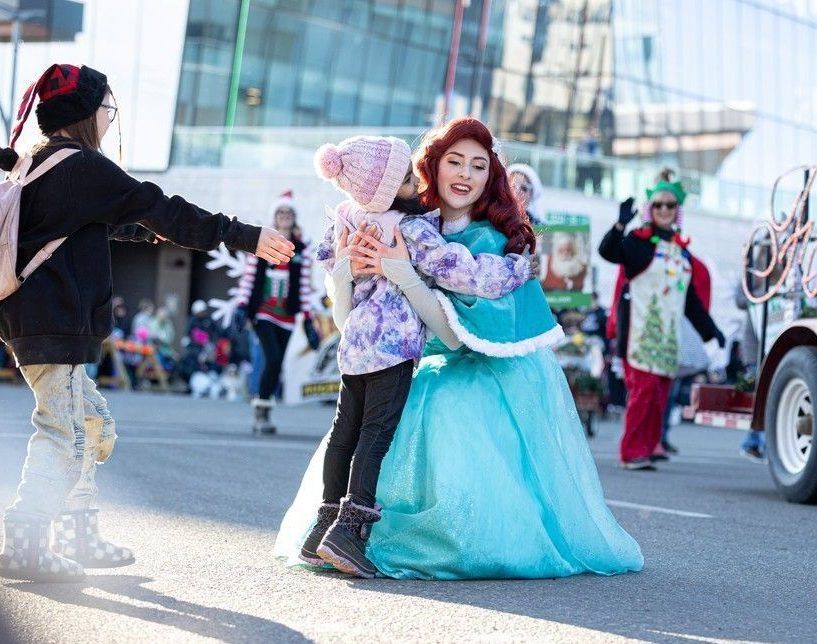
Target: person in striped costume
271	296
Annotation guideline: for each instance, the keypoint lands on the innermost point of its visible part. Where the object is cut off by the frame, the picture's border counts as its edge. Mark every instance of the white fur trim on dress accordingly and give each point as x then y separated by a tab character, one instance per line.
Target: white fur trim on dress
497	349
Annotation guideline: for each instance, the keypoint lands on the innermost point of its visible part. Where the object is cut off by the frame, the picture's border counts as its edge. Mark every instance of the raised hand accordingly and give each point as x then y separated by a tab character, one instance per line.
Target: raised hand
274	247
626	212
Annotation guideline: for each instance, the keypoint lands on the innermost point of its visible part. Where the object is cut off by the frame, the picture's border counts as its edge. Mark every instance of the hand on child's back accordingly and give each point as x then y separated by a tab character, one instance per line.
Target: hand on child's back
370	251
274	247
535	263
345	243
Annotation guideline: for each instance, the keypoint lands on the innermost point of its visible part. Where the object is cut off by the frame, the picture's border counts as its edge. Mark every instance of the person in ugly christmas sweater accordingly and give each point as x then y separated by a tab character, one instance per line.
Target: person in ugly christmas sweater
658	288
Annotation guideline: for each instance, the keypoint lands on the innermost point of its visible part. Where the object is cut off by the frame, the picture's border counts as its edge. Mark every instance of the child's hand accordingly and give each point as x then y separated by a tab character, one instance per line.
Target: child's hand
535	263
344	245
371	250
274	247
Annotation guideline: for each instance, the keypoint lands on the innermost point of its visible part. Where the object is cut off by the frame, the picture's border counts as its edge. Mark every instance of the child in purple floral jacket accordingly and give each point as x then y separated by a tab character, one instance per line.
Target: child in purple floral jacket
383	335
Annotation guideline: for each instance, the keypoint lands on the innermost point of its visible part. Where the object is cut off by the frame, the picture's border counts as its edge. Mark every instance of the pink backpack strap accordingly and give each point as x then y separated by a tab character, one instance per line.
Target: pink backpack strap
45	252
26	178
45	166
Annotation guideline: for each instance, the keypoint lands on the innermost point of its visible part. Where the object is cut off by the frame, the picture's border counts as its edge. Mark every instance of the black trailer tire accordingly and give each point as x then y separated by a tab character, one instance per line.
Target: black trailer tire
794	384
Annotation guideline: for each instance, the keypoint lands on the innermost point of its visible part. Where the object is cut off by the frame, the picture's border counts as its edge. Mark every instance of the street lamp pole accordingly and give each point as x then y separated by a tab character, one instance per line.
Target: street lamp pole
17	18
482	43
453	53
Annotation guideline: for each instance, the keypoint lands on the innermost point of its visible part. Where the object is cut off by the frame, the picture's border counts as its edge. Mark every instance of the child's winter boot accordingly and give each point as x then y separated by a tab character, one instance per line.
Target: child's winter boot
327	513
76	536
344	545
26	555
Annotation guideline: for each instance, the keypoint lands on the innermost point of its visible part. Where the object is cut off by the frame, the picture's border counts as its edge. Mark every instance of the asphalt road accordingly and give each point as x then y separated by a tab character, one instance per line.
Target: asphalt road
200	500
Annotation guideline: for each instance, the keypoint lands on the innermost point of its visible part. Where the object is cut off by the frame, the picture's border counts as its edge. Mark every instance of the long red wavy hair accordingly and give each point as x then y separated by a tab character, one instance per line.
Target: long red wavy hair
497	203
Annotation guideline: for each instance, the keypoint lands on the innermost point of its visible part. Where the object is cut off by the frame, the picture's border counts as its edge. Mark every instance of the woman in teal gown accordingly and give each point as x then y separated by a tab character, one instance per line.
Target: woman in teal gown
489	475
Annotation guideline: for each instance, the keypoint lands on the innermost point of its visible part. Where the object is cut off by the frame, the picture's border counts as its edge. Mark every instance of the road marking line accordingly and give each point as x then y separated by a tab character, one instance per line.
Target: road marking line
201	442
654	508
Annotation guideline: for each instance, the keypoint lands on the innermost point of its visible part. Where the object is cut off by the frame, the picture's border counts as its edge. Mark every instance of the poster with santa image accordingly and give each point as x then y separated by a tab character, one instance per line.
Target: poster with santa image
563	242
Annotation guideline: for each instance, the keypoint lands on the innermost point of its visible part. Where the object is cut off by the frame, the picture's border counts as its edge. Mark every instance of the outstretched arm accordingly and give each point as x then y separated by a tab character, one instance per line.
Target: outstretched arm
101	192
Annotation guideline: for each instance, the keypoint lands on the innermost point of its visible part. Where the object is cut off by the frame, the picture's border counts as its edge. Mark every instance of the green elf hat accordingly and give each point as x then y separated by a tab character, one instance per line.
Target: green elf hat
674	187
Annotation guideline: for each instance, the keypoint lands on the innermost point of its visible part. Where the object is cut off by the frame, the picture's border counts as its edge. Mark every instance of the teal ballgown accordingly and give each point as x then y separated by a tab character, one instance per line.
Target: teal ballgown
489	475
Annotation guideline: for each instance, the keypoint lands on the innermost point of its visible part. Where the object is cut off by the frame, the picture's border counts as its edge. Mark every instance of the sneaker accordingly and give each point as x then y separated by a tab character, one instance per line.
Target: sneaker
638	464
753	454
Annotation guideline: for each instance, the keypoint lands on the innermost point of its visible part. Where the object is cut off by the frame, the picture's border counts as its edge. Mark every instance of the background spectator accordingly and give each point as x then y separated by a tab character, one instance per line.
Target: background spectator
144	318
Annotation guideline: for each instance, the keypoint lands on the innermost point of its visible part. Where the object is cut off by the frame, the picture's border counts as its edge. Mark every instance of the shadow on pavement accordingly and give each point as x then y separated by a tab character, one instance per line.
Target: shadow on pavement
5	632
224	625
644	606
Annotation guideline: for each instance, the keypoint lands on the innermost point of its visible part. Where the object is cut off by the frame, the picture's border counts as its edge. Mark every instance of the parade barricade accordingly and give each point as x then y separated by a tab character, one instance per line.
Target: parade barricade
147	367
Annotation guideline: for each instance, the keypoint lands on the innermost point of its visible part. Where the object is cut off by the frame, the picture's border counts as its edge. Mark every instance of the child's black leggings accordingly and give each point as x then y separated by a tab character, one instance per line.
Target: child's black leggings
369	410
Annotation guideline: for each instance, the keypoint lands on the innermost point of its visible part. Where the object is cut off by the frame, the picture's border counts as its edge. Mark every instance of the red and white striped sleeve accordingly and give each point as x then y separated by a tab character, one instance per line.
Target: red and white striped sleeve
247	281
306	288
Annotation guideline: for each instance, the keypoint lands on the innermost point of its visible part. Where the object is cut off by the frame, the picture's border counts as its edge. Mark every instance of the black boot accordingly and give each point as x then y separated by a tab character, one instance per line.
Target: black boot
344	545
76	536
327	514
26	555
262	411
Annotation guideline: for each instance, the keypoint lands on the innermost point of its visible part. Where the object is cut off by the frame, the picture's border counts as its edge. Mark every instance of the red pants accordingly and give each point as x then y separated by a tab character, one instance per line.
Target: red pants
647	396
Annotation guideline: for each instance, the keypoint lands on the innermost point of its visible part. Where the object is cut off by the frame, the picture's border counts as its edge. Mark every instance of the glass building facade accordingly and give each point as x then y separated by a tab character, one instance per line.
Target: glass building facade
726	90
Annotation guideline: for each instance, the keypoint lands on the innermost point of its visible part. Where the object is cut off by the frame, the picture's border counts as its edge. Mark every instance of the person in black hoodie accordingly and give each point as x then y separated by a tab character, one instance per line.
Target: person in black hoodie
56	321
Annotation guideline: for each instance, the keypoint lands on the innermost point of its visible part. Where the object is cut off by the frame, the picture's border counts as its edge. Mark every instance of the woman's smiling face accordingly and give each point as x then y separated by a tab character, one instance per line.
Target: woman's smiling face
462	175
664	209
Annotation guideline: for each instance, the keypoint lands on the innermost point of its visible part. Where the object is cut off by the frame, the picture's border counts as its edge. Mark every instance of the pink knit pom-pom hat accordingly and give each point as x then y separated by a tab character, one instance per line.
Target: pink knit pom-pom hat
369	169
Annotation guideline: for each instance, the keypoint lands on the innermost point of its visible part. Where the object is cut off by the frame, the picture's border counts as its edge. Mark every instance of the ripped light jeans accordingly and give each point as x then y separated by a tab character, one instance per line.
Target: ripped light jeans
74	432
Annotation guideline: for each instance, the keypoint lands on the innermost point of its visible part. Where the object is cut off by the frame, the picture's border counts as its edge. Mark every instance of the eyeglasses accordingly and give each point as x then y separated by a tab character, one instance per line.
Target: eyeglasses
669	205
112	110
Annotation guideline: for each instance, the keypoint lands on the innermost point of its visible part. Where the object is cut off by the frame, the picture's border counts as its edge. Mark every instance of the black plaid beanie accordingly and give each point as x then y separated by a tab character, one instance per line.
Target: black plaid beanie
67	94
